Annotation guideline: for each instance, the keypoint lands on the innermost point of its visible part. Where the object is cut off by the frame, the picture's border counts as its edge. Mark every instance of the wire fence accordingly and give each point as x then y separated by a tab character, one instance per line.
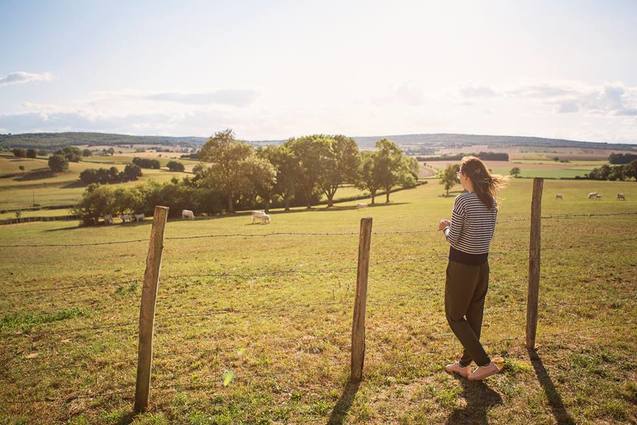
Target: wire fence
270	234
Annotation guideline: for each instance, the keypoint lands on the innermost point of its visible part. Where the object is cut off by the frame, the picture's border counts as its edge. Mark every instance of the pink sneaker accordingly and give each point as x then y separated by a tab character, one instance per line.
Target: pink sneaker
483	372
456	368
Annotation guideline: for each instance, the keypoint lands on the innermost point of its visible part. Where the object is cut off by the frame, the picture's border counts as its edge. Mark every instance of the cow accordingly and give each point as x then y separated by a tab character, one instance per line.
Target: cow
126	218
621	197
361	205
139	218
594	195
256	215
108	219
187	214
559	196
265	218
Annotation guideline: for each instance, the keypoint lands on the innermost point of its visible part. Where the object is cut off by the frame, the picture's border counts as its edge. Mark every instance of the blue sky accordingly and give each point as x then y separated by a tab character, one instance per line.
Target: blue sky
280	69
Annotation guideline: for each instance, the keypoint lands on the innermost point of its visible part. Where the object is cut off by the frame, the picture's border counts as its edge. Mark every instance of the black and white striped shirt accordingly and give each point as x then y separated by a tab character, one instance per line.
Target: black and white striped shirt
472	224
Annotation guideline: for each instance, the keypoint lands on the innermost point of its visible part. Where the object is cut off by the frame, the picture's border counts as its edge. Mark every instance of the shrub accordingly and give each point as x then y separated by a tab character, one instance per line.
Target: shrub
175	166
146	163
19	152
58	163
31	153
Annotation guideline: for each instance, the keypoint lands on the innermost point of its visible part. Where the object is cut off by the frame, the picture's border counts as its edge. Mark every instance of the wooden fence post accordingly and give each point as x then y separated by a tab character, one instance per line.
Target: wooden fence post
534	263
147	309
358	325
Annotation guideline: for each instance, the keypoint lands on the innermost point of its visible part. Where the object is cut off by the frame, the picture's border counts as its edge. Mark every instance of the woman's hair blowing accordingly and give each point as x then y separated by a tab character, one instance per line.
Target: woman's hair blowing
485	184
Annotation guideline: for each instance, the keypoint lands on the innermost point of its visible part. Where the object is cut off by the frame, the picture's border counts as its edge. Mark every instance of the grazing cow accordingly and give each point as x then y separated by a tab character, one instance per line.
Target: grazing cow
139	217
264	219
621	197
361	205
594	195
126	218
559	196
187	214
108	219
257	215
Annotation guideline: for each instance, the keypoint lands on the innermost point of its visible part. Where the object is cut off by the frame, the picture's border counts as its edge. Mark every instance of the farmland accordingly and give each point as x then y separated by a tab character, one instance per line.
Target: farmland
255	329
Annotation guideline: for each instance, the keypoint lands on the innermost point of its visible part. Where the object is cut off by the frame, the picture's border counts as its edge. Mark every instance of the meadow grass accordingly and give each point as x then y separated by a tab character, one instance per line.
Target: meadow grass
257	329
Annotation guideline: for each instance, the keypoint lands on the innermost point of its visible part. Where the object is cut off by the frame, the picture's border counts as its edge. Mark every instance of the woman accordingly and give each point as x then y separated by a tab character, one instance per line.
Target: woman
469	233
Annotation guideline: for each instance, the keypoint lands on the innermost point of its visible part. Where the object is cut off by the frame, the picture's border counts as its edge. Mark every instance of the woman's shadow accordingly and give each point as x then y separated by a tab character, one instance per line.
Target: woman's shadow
480	398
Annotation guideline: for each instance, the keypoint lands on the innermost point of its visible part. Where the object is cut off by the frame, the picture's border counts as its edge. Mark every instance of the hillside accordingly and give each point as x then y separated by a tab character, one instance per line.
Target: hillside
57	140
447	140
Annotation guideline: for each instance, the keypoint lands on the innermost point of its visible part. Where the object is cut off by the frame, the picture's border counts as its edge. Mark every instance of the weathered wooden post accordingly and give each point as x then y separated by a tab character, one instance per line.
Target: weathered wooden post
358	325
147	309
534	263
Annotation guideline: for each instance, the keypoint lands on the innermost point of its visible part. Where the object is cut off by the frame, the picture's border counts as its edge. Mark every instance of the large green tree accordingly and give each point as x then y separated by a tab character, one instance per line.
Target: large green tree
287	170
338	165
228	169
393	167
262	176
311	153
369	174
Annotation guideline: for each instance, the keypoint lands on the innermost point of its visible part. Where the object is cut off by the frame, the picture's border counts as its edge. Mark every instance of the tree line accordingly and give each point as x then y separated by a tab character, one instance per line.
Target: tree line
485	156
234	175
614	172
110	175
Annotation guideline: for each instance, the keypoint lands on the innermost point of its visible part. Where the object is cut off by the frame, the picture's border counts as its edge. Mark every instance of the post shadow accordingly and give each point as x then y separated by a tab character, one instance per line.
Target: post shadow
480	398
555	400
344	403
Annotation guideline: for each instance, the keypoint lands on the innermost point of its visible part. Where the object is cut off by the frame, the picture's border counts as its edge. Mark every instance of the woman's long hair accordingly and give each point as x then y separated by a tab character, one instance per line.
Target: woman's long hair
485	184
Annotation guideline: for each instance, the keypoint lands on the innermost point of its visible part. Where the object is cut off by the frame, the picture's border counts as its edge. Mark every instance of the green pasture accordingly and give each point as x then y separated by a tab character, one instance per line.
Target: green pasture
256	329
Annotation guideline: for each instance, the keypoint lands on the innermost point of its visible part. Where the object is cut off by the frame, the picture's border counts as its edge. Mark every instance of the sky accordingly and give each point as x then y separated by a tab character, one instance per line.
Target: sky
279	69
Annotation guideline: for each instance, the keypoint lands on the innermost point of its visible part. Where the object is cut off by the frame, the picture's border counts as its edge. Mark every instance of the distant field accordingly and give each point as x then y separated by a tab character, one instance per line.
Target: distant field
533	168
272	316
45	188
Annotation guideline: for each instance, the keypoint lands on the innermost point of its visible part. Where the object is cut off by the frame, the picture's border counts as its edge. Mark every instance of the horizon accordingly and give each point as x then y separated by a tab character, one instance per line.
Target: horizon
276	70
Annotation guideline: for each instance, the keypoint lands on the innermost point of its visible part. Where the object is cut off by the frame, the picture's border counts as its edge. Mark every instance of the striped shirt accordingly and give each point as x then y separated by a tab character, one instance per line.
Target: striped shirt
472	225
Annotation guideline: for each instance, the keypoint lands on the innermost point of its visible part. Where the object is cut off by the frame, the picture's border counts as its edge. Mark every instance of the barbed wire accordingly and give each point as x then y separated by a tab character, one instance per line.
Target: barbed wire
260	235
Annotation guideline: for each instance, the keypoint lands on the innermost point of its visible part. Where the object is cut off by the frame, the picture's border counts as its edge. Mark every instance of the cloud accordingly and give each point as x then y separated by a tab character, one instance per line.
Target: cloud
227	97
21	77
477	91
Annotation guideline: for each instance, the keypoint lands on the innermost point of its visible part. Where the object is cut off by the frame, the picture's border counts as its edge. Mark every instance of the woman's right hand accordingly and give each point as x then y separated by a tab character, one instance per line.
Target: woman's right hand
444	223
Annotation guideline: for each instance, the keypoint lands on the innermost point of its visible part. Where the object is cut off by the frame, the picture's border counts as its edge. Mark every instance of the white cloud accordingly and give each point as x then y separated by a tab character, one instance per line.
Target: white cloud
21	77
477	91
228	97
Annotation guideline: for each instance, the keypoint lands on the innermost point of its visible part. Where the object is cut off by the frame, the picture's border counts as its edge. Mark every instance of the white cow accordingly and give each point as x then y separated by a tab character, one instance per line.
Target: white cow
621	197
126	218
559	196
187	214
139	217
257	215
594	195
361	205
108	219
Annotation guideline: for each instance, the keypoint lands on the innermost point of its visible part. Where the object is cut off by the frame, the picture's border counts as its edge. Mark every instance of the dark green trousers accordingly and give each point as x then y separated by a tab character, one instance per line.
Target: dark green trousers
465	291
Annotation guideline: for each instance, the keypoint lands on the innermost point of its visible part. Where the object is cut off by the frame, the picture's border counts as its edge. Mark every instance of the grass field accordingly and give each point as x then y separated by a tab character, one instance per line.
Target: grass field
257	329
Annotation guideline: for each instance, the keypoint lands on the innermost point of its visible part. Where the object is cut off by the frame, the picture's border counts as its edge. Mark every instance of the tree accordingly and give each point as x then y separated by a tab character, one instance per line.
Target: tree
19	152
87	152
368	174
338	166
262	176
58	163
71	153
96	202
175	166
449	176
31	153
131	172
287	170
631	170
227	171
393	167
515	171
312	153
147	163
